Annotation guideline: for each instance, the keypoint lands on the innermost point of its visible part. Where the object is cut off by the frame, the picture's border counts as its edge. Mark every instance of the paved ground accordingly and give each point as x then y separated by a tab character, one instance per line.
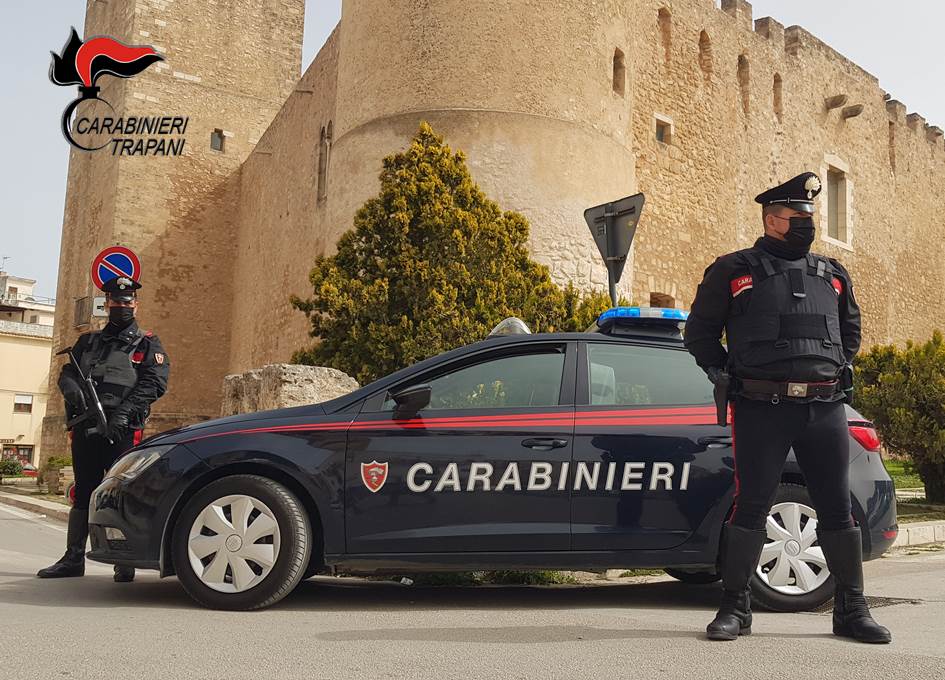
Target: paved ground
94	628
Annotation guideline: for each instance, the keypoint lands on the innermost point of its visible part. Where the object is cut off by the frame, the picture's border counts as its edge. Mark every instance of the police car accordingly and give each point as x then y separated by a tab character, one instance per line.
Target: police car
523	451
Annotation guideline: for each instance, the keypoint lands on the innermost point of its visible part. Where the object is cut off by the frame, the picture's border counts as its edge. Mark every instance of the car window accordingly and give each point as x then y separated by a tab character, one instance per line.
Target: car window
519	380
630	375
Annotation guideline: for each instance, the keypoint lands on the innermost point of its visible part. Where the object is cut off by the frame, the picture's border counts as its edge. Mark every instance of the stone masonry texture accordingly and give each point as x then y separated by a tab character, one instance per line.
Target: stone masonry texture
528	91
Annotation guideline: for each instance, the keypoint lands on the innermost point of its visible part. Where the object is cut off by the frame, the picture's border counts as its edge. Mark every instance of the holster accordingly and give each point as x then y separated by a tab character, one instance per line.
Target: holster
720	392
845	383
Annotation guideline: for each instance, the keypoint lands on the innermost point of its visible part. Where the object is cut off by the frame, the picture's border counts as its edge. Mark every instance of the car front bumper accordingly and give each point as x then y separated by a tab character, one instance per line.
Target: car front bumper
140	509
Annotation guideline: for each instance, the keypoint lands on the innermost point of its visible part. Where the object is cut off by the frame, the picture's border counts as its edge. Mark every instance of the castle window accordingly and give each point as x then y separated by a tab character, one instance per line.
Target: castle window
705	54
662	300
837	204
744	82
620	72
778	97
83	311
665	20
324	153
217	140
892	145
663	128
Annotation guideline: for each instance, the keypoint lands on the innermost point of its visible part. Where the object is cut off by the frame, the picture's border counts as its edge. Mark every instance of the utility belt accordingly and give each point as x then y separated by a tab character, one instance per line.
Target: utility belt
769	389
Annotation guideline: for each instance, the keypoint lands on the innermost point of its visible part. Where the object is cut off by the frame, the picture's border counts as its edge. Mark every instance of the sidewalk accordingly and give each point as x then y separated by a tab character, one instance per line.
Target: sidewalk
50	509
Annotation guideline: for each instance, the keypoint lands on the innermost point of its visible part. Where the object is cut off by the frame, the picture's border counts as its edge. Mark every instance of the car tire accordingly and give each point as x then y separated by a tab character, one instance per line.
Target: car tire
770	589
214	564
694	577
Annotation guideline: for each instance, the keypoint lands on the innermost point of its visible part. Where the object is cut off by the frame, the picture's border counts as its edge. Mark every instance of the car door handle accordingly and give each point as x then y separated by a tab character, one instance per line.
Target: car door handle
718	442
543	444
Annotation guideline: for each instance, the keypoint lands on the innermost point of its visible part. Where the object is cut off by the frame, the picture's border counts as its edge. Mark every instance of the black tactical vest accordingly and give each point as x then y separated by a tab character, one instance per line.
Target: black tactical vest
791	327
109	362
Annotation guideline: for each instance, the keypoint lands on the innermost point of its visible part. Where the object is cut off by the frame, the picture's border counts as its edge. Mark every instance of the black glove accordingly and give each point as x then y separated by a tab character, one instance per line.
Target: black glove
714	373
118	424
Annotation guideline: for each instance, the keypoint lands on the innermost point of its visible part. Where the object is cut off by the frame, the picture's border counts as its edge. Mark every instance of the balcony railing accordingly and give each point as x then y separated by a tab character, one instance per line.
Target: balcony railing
7	298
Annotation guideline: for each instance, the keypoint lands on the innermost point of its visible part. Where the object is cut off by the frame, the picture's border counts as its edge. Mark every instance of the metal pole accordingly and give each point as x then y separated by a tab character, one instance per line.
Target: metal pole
609	218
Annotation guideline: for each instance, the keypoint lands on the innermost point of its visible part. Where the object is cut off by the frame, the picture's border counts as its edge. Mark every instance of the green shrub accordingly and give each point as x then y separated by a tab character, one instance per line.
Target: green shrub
10	467
431	264
903	392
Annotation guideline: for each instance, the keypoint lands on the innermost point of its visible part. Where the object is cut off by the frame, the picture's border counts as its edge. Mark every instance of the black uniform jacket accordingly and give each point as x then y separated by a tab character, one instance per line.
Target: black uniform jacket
150	361
715	301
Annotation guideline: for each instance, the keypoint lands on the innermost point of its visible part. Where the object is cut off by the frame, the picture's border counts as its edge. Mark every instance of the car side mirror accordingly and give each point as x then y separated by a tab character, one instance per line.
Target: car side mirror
410	400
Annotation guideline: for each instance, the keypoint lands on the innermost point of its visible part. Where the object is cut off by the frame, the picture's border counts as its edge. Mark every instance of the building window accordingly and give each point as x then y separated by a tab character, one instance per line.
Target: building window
34	318
324	157
83	311
778	97
12	292
744	82
837	204
892	146
620	73
663	128
23	403
665	21
705	54
218	141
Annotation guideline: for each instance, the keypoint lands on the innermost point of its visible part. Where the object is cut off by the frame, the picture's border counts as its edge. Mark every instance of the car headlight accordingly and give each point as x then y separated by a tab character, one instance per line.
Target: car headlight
135	462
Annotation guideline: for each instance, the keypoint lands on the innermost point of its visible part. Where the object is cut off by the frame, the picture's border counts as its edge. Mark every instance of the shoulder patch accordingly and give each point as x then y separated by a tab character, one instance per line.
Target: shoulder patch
740	284
837	285
148	334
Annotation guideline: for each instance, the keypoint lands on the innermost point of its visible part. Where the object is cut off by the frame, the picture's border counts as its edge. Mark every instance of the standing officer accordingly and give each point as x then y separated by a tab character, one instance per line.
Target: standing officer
130	369
792	327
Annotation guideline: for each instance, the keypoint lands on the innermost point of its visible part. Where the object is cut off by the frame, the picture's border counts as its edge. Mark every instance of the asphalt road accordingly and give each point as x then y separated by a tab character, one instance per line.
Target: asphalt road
94	628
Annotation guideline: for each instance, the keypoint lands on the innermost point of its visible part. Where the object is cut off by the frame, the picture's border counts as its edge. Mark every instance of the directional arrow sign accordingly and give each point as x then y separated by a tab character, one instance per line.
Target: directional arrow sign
613	226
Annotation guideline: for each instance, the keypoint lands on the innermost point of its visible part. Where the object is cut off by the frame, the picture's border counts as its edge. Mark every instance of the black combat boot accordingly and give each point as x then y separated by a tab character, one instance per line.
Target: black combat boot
740	550
124	574
73	562
843	551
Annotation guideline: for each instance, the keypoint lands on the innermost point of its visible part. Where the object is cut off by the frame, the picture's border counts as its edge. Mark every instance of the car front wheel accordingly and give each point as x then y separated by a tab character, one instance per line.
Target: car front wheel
240	543
792	573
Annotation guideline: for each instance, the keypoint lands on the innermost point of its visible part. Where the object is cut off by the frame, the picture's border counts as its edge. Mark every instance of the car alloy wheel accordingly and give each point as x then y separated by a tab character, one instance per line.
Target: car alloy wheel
791	562
233	543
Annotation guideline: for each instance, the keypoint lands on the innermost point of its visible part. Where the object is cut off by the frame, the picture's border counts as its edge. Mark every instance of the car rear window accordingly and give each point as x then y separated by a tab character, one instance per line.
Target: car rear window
632	375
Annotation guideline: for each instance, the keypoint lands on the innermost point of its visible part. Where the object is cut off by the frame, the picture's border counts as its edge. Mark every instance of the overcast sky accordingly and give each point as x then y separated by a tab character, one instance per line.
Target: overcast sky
899	42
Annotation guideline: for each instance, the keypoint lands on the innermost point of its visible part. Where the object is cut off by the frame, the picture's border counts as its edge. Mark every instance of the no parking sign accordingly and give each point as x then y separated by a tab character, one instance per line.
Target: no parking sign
113	262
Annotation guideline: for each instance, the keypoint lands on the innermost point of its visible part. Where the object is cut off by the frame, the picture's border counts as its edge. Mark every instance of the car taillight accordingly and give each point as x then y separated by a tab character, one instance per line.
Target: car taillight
866	436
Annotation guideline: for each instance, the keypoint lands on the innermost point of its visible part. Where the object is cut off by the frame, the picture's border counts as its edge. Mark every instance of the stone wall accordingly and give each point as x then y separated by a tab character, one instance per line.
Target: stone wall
281	386
715	76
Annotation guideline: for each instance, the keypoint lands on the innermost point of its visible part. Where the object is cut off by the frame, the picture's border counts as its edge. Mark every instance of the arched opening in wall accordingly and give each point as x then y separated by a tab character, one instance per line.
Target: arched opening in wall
665	20
620	72
705	54
324	153
662	300
744	82
778	97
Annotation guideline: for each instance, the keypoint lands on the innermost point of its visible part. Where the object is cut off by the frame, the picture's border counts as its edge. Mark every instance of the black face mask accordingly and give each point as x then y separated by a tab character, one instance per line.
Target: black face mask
121	316
801	233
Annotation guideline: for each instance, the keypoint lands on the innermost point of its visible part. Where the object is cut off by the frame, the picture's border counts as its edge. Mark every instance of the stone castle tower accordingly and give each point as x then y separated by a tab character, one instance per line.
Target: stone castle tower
229	67
558	106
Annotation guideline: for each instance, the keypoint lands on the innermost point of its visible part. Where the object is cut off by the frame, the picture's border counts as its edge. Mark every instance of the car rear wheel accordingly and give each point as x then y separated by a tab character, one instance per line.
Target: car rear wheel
243	542
792	573
694	577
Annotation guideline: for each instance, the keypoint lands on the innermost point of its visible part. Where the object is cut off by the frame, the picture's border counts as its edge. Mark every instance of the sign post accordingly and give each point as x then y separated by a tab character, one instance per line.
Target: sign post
613	226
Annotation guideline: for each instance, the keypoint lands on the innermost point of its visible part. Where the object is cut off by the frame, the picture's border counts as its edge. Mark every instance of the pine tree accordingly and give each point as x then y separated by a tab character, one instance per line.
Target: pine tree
431	264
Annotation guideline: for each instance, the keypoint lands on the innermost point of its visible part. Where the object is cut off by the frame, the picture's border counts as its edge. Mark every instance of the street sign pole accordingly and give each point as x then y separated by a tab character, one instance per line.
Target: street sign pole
613	226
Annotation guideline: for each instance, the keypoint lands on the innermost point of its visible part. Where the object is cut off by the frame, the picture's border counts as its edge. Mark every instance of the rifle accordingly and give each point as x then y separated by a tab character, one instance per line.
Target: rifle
93	404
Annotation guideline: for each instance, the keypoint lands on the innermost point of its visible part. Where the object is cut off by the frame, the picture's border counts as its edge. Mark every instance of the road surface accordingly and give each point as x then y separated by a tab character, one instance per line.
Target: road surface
339	629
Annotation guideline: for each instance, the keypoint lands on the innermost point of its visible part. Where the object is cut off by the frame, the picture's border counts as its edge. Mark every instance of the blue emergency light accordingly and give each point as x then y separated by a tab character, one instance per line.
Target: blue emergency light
628	317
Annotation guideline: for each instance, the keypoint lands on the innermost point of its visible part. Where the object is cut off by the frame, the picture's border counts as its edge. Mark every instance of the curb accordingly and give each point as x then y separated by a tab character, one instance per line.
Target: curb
920	533
50	509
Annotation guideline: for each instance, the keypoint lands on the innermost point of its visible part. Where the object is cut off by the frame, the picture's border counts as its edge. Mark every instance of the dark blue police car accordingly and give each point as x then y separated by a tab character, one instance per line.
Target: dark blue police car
547	451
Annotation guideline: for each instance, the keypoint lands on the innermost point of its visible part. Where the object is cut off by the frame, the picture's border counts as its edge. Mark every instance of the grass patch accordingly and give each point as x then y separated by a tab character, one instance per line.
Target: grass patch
642	572
902	474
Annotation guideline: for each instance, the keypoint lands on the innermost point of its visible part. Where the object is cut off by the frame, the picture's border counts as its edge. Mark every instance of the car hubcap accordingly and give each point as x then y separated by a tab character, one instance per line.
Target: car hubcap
233	543
791	561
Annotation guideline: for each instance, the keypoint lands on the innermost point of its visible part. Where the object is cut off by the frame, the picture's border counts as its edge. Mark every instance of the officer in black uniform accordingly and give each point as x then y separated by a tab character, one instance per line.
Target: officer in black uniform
130	370
792	327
